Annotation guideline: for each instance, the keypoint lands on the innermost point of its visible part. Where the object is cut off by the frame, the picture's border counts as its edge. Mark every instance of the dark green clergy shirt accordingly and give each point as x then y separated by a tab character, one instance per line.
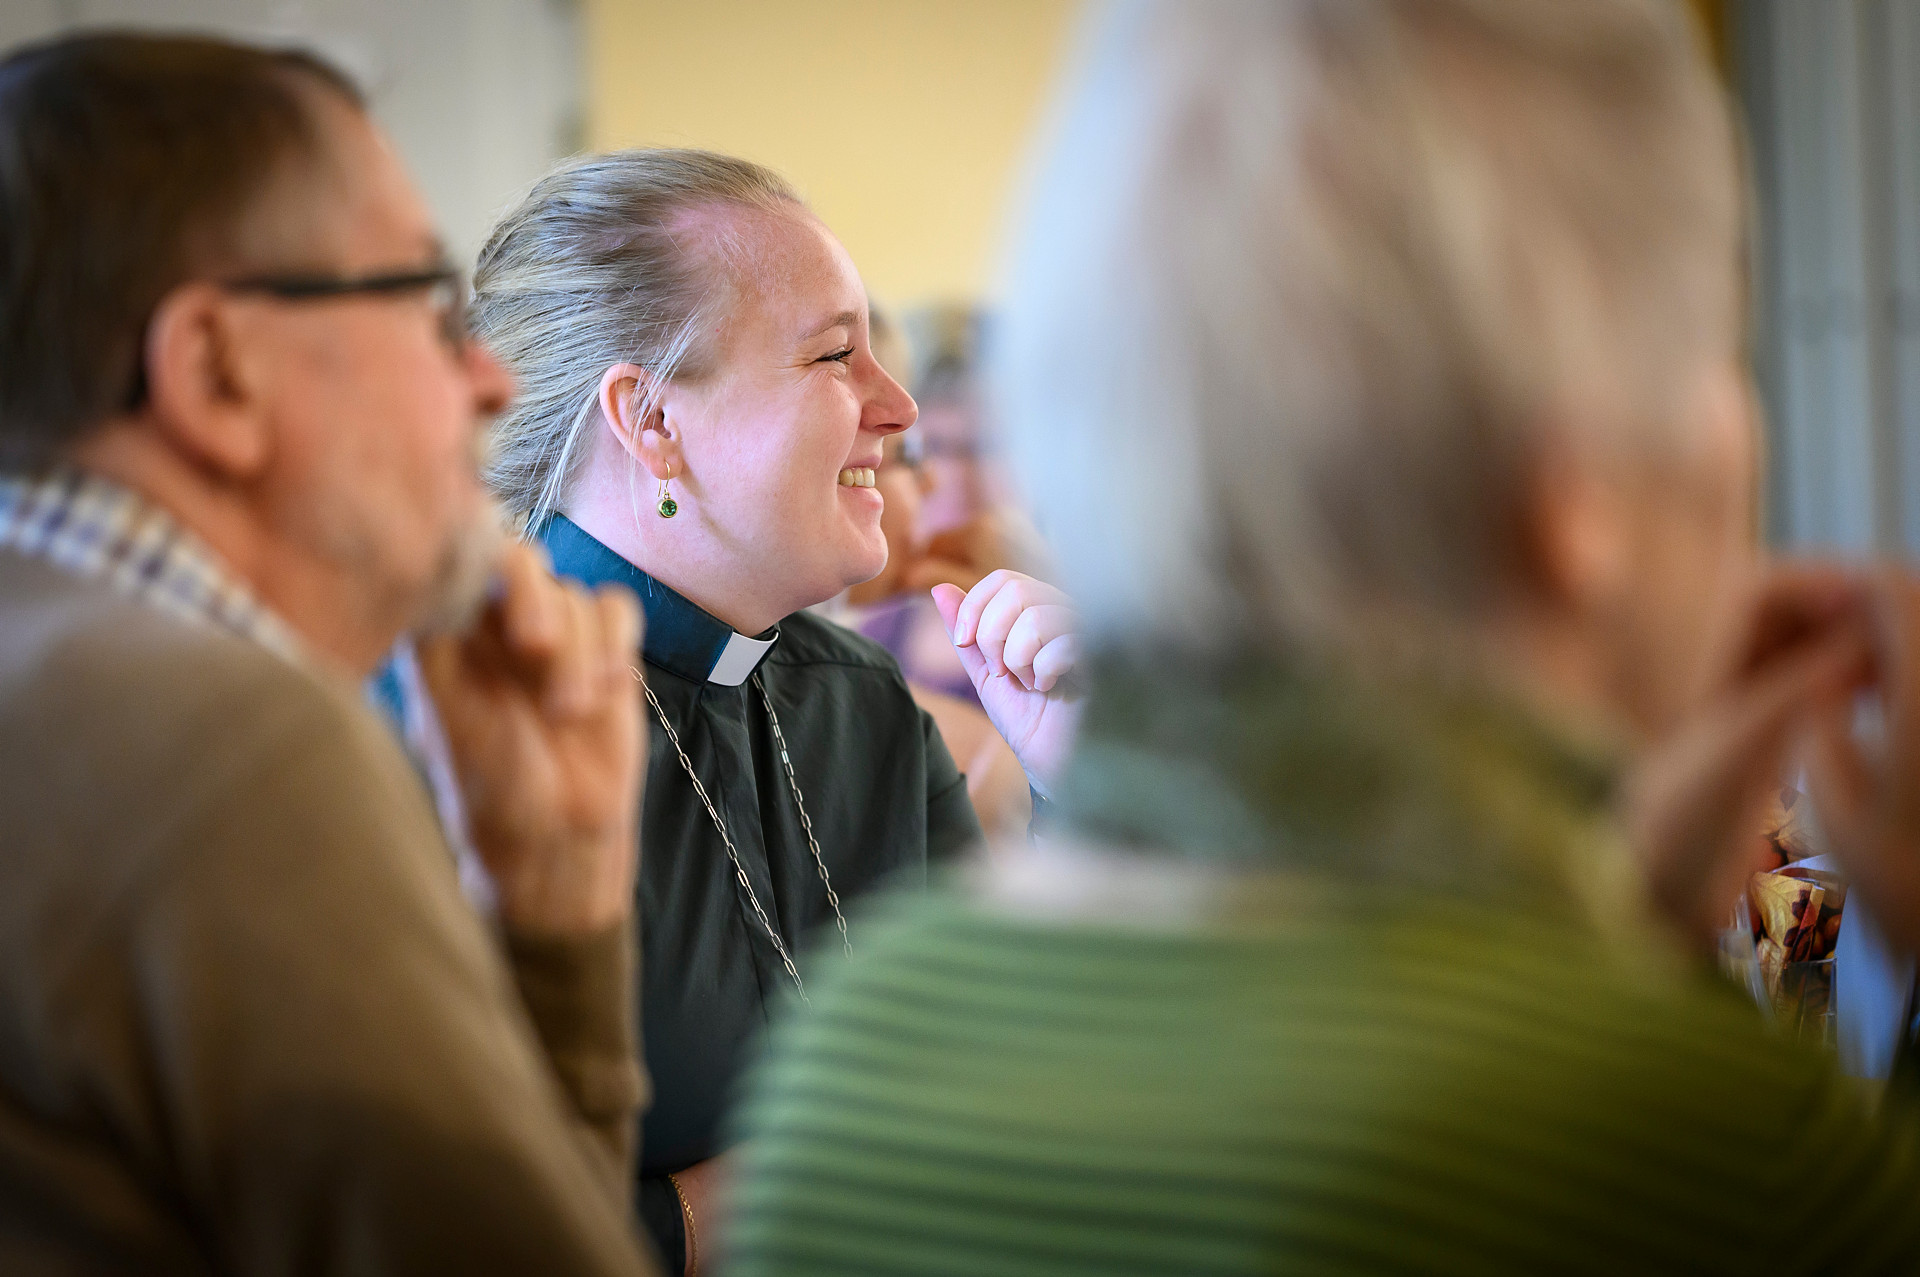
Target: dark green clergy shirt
883	793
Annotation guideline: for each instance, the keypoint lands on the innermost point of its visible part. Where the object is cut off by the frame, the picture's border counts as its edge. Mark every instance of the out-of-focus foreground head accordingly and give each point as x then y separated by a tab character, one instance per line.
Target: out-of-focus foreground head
1321	304
151	186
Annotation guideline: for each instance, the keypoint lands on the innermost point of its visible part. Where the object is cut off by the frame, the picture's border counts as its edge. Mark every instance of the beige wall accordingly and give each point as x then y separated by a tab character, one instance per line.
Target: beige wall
904	122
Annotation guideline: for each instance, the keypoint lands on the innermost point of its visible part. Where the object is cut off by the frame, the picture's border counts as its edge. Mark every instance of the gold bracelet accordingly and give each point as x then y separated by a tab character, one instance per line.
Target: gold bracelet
693	1238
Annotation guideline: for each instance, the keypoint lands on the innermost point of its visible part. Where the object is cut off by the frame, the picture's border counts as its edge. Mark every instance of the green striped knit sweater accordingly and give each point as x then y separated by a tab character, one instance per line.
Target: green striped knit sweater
1361	1075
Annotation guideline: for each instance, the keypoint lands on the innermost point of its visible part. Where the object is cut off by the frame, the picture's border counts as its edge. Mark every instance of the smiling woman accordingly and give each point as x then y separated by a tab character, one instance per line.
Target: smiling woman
701	420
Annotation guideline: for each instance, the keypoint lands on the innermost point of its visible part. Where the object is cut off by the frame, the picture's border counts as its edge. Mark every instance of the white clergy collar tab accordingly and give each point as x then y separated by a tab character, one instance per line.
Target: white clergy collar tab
739	659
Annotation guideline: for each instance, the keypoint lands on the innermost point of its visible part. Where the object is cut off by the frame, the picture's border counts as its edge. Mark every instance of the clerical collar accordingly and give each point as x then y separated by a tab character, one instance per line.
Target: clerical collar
681	636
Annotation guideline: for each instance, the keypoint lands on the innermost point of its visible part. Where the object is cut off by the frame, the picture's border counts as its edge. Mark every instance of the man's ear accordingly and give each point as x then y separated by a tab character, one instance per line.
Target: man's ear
1575	539
205	390
631	408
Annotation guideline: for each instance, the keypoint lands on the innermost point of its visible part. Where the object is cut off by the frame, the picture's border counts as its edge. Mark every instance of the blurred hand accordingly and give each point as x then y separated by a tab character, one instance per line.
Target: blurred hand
961	556
543	721
1018	640
1696	801
1867	795
964	556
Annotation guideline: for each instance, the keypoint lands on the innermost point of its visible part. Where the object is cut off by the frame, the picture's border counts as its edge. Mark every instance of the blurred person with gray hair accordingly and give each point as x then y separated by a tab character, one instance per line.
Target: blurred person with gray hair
248	1022
1380	363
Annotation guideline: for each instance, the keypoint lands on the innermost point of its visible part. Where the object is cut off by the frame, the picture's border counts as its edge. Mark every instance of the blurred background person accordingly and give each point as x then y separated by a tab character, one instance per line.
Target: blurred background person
701	419
971	514
963	485
895	609
248	1024
1380	363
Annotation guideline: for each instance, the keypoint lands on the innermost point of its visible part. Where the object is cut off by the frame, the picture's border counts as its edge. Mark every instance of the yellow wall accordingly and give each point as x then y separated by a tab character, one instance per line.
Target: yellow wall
903	122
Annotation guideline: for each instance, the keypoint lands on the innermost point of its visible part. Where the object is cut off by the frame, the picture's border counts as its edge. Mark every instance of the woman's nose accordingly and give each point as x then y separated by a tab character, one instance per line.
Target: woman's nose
891	409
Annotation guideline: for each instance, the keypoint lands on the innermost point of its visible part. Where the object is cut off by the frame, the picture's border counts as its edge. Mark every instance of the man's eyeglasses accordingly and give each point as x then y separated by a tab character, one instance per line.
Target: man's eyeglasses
445	287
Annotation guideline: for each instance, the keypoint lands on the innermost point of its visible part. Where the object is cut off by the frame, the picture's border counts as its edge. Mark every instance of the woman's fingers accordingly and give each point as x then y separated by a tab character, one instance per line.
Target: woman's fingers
1055	661
991	589
948	600
1032	631
966	624
1012	599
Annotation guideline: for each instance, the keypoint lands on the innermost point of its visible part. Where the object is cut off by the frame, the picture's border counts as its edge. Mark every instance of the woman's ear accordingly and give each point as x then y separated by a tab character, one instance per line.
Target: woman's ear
631	408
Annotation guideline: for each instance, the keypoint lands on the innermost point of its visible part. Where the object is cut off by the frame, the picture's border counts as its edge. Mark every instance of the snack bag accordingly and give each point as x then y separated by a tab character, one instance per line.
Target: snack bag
1787	911
1795	915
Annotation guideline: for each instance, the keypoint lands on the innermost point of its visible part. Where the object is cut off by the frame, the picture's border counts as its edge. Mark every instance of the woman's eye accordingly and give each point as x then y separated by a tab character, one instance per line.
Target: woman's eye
838	356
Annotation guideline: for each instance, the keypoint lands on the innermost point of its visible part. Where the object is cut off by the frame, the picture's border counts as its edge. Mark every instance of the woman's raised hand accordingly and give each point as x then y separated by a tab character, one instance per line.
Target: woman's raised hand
1018	640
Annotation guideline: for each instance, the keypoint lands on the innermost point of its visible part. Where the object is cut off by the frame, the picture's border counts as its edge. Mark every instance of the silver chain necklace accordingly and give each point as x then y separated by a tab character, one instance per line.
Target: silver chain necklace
733	855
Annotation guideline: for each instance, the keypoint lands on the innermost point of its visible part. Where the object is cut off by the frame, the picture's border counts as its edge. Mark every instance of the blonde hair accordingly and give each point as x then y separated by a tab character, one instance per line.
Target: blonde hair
604	262
1305	283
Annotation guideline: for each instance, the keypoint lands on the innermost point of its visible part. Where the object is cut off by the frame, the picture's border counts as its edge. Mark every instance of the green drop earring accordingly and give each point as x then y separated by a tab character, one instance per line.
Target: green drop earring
668	506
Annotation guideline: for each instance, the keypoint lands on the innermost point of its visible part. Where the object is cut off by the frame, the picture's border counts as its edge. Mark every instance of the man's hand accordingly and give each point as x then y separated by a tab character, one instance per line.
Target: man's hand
1018	640
543	720
1867	793
1695	802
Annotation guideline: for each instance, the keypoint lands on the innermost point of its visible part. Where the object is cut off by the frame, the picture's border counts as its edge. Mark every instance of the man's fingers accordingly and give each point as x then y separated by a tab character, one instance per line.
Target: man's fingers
1896	657
568	678
1800	603
1810	682
440	669
620	626
1841	779
532	617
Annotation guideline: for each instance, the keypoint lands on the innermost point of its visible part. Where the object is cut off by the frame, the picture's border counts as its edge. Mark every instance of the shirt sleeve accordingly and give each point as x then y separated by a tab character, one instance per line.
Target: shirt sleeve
953	828
580	996
298	1018
666	1225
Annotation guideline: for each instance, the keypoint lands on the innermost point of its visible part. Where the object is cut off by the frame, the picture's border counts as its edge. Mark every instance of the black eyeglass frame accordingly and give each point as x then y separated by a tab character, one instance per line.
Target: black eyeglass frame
447	279
453	307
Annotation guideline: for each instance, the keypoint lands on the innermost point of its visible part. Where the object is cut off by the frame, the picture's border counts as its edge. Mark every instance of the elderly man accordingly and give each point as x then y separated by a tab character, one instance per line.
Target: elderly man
248	1023
1381	359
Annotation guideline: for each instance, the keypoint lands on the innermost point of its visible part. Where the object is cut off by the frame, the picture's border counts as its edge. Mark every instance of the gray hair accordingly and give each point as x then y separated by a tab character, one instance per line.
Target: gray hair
1304	281
601	264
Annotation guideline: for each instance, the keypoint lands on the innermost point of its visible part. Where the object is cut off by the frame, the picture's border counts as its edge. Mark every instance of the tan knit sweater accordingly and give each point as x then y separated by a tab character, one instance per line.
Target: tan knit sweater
247	1021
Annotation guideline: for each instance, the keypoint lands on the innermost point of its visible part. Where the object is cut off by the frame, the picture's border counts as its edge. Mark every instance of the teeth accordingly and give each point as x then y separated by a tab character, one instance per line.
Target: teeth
857	477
